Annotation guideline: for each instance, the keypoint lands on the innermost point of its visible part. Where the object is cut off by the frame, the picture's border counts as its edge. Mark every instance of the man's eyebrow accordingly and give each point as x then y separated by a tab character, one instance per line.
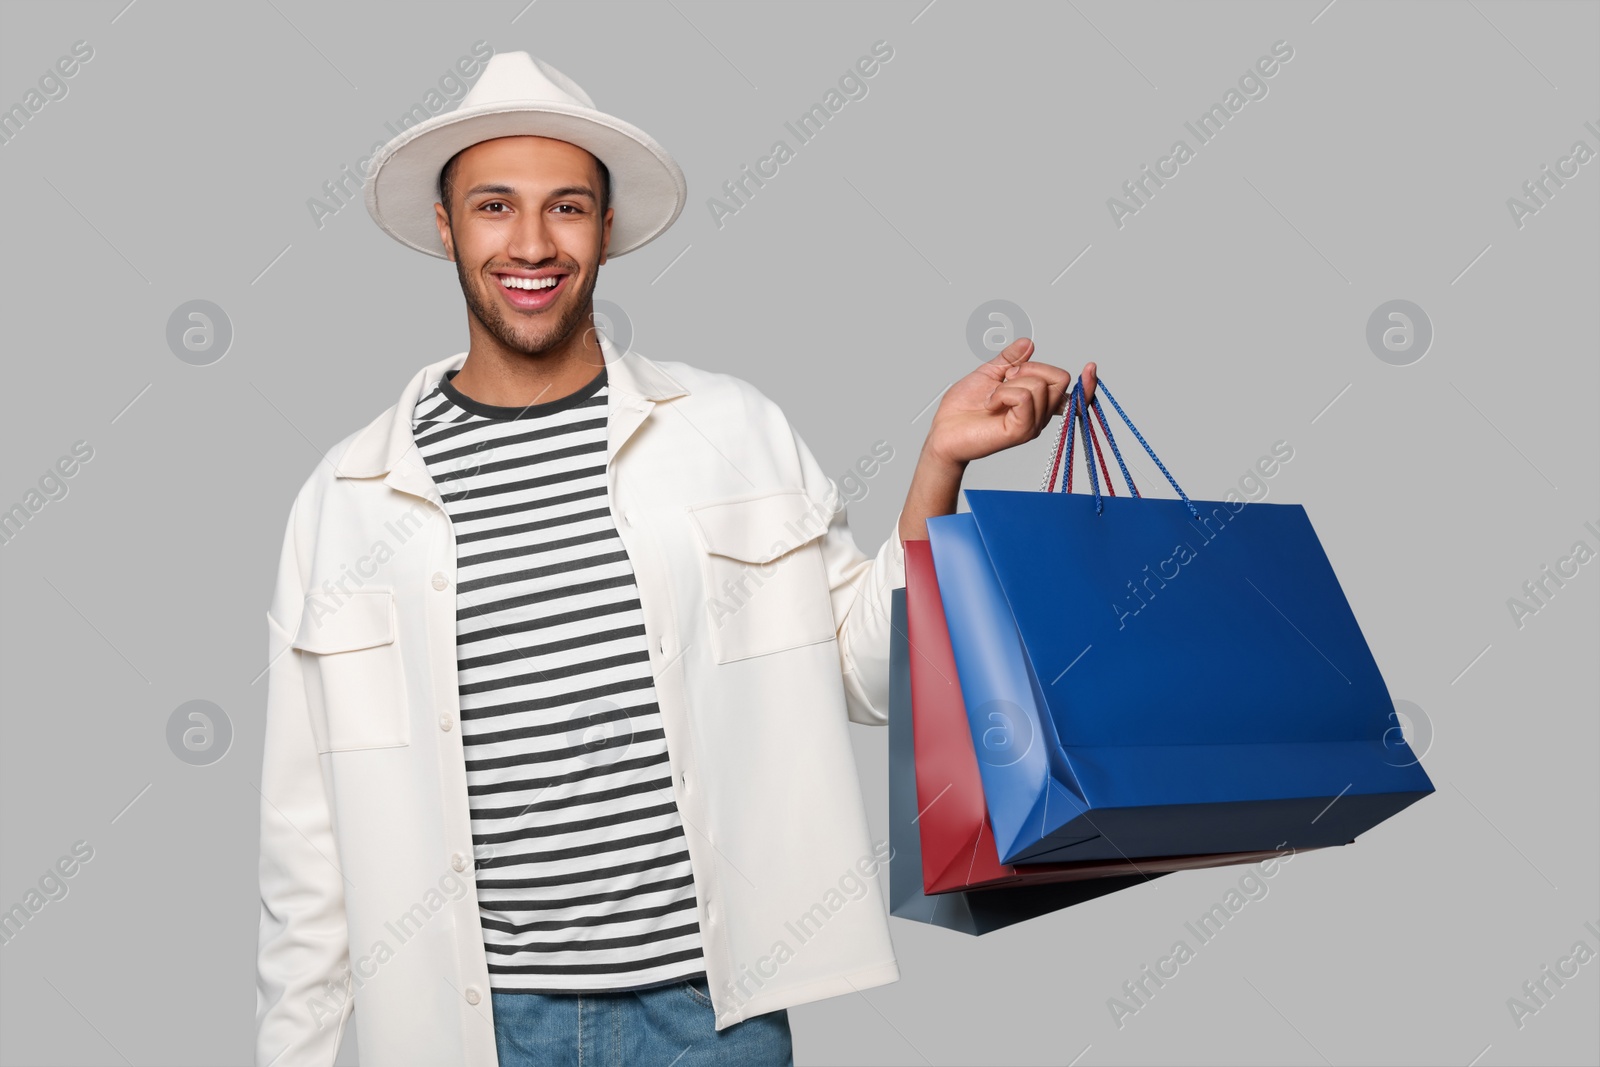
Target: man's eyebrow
572	190
507	190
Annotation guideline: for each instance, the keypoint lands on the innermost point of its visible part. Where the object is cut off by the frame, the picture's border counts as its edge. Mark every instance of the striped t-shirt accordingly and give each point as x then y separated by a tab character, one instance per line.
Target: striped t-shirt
583	874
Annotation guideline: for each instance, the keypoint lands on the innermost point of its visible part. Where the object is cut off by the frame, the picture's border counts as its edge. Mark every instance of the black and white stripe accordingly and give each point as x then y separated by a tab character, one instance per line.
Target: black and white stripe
582	866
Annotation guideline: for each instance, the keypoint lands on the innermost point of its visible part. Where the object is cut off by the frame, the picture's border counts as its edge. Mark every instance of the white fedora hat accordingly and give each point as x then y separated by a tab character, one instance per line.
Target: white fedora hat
518	95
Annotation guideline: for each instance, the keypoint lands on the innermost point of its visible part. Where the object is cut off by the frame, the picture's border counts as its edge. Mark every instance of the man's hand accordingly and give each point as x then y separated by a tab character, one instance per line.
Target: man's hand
1007	401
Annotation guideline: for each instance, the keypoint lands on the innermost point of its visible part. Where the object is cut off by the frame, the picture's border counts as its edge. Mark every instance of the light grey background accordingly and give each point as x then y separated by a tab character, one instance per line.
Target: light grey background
1229	313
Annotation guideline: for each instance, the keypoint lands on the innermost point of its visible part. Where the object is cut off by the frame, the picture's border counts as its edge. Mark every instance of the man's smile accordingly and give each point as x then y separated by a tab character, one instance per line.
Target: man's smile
531	290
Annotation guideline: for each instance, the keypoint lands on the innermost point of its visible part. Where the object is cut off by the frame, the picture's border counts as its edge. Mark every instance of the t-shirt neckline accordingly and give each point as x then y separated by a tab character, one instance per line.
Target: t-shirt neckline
530	411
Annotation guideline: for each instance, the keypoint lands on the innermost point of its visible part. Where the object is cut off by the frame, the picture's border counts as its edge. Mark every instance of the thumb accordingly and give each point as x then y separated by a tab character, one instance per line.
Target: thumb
1011	355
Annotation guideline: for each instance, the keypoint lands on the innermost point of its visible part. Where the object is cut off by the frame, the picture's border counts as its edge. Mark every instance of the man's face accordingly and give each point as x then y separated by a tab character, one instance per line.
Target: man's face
526	208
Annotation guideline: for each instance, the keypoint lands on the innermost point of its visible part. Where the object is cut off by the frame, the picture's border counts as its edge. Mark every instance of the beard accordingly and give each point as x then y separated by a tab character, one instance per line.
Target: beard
529	334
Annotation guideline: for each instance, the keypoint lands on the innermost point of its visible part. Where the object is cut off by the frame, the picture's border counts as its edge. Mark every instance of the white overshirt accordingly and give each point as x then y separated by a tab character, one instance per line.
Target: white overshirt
768	631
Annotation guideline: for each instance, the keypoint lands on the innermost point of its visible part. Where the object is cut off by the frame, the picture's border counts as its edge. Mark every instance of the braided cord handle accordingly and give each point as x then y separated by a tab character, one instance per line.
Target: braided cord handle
1068	428
1100	414
1099	454
1088	457
1079	412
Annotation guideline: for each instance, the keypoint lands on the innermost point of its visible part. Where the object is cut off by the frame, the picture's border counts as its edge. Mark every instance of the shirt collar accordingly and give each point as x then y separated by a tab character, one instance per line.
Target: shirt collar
377	448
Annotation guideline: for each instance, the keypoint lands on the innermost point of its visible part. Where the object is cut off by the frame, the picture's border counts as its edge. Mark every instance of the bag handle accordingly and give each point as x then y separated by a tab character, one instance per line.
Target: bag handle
1075	416
1069	426
1097	453
1099	413
1078	412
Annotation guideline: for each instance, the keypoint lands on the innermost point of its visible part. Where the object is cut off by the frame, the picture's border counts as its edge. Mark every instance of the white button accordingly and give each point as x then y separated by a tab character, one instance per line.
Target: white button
628	516
662	645
458	861
440	581
472	996
445	722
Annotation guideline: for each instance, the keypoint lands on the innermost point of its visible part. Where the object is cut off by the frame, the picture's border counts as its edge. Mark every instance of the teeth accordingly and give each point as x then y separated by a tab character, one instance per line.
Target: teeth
528	283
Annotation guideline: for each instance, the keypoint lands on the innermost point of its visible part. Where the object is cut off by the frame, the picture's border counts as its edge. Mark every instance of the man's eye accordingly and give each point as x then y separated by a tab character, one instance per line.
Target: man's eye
494	203
574	207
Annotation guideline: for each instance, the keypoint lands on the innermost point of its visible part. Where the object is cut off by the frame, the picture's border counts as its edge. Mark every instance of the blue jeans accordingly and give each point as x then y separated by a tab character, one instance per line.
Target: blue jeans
668	1025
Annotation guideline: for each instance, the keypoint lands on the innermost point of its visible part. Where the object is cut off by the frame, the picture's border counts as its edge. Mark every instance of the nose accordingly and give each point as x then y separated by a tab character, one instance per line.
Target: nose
530	239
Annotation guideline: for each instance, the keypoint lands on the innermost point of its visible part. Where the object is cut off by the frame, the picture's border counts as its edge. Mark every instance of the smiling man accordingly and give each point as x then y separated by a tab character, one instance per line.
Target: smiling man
532	787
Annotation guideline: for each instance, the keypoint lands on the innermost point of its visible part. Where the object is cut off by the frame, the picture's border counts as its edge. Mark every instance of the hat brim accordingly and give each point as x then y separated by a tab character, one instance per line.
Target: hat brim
648	190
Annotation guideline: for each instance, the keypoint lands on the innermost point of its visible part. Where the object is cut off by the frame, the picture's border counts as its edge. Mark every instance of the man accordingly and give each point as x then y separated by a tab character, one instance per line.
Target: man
564	645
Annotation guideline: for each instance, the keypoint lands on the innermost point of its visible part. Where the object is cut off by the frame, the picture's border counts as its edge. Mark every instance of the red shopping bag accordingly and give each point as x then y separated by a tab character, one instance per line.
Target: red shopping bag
958	847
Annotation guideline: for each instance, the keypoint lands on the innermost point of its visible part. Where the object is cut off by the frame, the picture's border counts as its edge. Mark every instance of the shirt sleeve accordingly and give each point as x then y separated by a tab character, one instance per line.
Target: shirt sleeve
860	587
303	995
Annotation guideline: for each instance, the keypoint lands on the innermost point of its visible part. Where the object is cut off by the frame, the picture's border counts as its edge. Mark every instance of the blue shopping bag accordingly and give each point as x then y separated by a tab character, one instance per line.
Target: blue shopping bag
1152	677
973	911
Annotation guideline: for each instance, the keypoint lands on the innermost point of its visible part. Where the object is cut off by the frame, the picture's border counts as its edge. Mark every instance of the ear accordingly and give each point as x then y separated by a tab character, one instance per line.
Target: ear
442	220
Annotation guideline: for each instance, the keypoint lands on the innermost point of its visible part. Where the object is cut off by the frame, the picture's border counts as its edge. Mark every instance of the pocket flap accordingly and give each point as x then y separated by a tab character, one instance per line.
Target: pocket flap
762	528
362	621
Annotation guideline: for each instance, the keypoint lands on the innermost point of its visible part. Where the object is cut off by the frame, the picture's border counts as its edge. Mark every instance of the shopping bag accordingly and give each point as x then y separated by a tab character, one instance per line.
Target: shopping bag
1148	677
958	849
978	911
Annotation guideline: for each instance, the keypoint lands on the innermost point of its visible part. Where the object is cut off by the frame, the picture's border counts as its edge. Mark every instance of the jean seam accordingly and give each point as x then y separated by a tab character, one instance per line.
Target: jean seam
695	994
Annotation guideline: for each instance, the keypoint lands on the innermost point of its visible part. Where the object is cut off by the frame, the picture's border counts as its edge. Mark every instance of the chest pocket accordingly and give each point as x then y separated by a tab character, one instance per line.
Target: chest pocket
765	579
355	687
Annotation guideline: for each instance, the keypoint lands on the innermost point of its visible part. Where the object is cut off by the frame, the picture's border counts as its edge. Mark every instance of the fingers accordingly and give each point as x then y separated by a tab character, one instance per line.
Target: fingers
1048	386
1023	399
1011	357
1031	394
1088	379
1045	371
1058	383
